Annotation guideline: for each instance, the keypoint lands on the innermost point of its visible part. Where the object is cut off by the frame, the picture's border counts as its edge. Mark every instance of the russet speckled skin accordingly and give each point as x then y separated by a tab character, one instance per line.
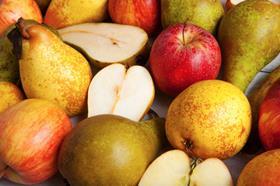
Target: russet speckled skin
31	133
203	13
10	95
211	118
249	38
263	170
62	13
52	70
110	150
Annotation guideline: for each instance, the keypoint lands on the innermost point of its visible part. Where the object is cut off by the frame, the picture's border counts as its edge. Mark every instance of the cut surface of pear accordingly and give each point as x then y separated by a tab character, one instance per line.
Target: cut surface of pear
106	43
121	91
176	168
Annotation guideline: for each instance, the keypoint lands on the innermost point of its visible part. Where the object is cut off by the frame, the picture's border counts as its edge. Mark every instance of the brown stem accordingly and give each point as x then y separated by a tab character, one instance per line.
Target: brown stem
21	27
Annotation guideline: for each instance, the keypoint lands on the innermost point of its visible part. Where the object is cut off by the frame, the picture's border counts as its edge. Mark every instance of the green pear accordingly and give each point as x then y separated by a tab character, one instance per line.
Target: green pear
110	150
8	62
52	70
249	38
203	13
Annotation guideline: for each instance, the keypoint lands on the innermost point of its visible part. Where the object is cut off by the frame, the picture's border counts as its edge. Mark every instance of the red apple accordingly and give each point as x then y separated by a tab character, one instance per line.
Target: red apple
141	13
31	133
182	55
269	118
12	10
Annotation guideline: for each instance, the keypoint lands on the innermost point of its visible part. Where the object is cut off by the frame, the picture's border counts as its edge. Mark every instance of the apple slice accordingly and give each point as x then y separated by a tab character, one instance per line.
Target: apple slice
174	168
120	91
107	43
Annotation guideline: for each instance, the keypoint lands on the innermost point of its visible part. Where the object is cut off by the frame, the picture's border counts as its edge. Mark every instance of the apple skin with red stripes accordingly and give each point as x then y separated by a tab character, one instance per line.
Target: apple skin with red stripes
31	133
141	13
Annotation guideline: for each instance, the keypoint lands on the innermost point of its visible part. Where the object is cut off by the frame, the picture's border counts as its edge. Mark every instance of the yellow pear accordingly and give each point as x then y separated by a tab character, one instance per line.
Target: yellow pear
66	13
52	70
211	118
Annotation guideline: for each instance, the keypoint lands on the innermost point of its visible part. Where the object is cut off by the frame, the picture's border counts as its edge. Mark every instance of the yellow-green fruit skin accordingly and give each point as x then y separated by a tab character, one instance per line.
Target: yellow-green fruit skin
109	150
10	95
70	12
209	119
203	13
52	70
263	170
249	39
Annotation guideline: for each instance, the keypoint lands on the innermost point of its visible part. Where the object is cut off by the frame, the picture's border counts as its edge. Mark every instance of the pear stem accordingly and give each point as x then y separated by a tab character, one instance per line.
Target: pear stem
22	29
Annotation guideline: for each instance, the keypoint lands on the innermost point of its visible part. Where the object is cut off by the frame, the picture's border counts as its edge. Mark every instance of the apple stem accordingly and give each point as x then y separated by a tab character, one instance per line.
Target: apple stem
21	26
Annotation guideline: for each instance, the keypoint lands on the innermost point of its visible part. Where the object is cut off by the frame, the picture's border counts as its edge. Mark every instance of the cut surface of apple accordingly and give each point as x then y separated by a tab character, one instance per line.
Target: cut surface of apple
121	91
107	43
176	168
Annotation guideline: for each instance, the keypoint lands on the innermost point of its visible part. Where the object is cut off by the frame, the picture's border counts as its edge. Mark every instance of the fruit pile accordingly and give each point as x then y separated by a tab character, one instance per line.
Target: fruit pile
78	80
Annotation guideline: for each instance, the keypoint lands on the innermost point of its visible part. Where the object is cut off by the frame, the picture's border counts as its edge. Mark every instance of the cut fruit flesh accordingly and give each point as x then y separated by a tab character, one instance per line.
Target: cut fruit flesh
106	43
116	90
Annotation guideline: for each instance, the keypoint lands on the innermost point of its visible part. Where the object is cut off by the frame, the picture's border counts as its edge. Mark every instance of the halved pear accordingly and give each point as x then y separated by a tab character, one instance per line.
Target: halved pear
121	91
176	168
107	43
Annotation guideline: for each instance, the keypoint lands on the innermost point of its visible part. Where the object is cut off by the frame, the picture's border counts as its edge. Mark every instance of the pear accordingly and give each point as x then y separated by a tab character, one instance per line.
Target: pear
249	38
8	63
66	13
127	92
52	70
110	150
203	13
107	43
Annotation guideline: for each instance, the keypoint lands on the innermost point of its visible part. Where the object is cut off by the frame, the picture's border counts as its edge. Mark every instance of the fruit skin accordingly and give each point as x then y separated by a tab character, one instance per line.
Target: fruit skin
182	55
10	95
243	55
269	121
8	63
211	118
262	170
32	131
142	13
73	12
203	13
110	150
12	10
52	70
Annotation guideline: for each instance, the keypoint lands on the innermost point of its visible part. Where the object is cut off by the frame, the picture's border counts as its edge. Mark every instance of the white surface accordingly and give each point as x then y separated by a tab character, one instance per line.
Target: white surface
160	105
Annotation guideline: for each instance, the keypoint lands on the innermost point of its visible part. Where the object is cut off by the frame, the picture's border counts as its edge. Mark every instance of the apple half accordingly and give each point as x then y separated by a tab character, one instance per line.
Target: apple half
121	91
176	168
107	43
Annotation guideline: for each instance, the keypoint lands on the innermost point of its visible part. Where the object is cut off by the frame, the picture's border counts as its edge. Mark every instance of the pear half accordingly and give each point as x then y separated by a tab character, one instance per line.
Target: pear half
121	91
176	168
107	43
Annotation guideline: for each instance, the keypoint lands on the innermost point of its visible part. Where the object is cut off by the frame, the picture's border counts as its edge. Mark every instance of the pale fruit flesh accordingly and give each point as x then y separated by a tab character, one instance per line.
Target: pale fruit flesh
106	43
120	91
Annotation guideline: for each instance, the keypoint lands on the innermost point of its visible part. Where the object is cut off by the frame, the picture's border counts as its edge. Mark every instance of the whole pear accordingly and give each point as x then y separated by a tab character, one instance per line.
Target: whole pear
203	13
249	38
52	70
8	63
10	95
211	118
110	150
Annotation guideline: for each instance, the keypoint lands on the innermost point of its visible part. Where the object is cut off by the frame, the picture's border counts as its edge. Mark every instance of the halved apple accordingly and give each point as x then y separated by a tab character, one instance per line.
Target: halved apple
176	168
121	91
107	43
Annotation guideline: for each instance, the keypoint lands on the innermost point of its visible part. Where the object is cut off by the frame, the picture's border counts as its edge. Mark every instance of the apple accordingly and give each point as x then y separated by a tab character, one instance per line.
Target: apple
31	133
12	10
176	168
10	95
141	13
127	92
262	170
269	118
183	54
